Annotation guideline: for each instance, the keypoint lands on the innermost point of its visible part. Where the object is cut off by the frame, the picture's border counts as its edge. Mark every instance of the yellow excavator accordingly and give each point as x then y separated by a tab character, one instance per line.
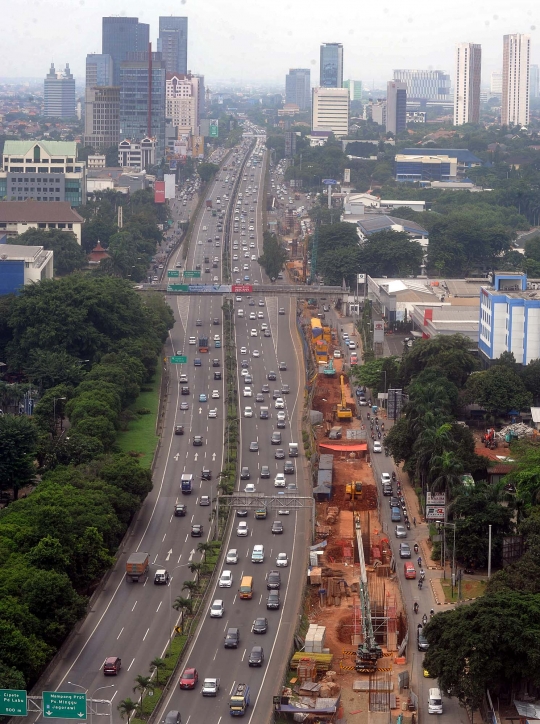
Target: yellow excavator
342	411
353	490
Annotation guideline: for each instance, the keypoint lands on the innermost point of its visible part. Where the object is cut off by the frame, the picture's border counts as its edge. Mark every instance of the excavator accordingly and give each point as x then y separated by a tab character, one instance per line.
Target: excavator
329	369
353	490
342	411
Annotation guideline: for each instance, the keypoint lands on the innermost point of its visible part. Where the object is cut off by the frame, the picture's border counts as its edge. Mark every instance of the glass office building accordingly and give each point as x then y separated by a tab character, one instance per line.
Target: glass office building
121	36
172	43
331	65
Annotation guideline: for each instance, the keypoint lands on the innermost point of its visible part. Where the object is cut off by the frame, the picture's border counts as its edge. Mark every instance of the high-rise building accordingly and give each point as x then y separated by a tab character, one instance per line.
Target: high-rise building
298	87
495	86
121	36
515	82
182	103
355	89
330	110
201	93
172	43
99	70
59	94
331	65
534	81
102	104
140	78
425	85
467	88
396	107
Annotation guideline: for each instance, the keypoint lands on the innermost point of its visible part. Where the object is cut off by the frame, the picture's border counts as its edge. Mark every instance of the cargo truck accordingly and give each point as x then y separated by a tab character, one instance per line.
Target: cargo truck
203	344
137	566
239	701
186	483
208	203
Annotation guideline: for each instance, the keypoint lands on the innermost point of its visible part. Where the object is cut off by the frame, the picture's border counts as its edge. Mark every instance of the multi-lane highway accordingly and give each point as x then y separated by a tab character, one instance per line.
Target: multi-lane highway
134	621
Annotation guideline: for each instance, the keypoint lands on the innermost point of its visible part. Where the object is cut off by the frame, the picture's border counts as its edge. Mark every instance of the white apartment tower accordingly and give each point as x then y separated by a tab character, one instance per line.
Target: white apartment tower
515	83
467	88
182	102
330	110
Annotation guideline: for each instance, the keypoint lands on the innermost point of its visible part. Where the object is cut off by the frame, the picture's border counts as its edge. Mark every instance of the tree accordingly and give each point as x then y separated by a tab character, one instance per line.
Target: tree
18	440
498	390
530	375
526	476
390	253
273	257
128	707
445	473
68	254
451	356
190	586
51	407
142	684
376	374
156	665
184	605
49	555
207	171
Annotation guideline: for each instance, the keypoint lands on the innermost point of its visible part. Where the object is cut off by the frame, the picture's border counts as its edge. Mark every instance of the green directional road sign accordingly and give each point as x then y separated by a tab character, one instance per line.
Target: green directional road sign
177	288
214	129
64	705
178	359
192	274
173	273
13	702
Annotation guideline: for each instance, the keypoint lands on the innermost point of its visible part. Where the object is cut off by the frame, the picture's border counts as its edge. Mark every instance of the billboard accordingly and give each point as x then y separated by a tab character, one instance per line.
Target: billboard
378	332
436	499
197	146
214	128
242	288
209	288
170	179
347	175
435	512
173	164
159	192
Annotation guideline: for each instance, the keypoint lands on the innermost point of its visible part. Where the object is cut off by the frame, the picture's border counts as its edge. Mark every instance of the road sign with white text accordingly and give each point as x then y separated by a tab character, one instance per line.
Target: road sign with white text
64	705
13	702
192	273
242	288
330	181
178	359
177	288
173	273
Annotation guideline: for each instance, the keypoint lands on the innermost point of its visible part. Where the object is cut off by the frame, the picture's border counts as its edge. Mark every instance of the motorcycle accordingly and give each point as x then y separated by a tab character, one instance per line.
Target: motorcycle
393	475
386	451
422	576
368	415
431	613
420	585
468	571
420	561
379	434
415	607
424	619
415	547
408	525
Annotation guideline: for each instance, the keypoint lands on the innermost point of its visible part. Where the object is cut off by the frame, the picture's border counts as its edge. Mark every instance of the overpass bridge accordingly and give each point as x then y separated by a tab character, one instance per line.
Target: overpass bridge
276	290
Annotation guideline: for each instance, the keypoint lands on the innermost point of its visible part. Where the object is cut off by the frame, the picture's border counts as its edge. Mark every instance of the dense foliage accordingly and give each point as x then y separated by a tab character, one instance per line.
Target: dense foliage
273	257
68	255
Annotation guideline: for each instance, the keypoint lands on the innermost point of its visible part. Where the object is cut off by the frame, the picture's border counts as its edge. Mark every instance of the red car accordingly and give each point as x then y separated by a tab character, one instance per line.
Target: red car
189	679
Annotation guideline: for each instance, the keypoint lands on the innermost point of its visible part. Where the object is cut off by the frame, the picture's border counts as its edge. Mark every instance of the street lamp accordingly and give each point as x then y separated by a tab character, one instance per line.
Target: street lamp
54	409
91	699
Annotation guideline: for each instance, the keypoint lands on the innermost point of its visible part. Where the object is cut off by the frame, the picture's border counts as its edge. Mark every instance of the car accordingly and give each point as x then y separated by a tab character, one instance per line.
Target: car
197	440
178	429
281	415
394	502
248	412
241	513
404	550
265	471
217	609
248	379
189	679
161	577
184	405
281	311
279	454
212	413
198	323
173	716
288	467
204	500
401	531
277	526
250	488
275	439
253	333
267	333
387	489
282	560
273	580
255	353
271	376
242	530
260	625
197	362
226	579
210	687
265	389
232	638
216	363
337	354
254	446
192	340
183	377
272	600
232	556
112	666
180	510
244	372
395	514
217	375
196	530
215	394
279	480
260	315
377	447
281	424
256	657
282	367
203	397
247	392
386	478
184	390
252	315
410	570
244	473
259	397
264	326
279	404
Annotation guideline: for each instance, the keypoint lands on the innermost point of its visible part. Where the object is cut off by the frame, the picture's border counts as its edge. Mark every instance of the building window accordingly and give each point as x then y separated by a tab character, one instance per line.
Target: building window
42	226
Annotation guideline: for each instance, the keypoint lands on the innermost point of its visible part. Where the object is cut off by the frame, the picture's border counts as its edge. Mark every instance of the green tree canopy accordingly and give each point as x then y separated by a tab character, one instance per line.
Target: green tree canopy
498	390
390	253
451	356
18	440
273	257
68	255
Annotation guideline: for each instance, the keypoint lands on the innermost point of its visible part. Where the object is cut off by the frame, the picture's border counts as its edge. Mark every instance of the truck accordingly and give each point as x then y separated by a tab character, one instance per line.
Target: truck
208	203
203	344
210	687
293	449
137	566
239	701
186	483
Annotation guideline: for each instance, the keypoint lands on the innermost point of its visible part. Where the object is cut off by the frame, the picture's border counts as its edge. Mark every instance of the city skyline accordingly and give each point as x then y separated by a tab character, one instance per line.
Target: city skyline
238	49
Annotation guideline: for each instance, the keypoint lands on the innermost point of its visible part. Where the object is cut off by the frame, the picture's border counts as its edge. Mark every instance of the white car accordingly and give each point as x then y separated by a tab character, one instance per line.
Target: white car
337	354
250	488
279	480
215	394
235	257
244	372
264	326
243	350
232	556
253	333
256	353
236	270
279	404
252	315
385	478
212	413
282	560
210	687
242	529
377	447
226	579
217	609
260	315
192	340
253	257
247	392
248	412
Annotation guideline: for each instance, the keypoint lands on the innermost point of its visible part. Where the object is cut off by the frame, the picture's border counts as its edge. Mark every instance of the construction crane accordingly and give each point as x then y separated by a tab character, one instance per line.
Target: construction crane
342	411
369	651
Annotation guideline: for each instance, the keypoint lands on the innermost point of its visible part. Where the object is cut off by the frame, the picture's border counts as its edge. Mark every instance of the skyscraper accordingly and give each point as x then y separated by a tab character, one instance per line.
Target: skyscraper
121	36
138	78
102	104
515	83
182	103
396	107
331	65
172	43
99	70
430	85
467	88
495	86
355	89
59	93
298	87
330	111
534	81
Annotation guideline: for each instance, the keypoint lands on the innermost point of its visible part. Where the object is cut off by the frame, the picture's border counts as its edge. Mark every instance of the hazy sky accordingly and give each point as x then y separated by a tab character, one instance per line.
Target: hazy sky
258	40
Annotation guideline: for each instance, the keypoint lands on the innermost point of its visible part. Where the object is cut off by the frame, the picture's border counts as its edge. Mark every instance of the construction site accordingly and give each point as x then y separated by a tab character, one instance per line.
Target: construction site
351	668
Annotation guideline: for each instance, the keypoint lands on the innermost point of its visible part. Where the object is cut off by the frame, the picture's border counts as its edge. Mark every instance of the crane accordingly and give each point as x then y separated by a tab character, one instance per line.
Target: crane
369	651
343	412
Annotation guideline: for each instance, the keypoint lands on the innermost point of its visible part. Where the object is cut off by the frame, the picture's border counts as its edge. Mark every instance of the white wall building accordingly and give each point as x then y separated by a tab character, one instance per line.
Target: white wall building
515	80
21	265
467	88
182	102
16	217
137	155
330	110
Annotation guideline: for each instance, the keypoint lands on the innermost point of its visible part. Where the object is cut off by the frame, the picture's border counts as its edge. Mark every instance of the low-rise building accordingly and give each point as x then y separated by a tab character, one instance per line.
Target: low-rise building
139	156
21	265
444	318
373	223
16	217
420	165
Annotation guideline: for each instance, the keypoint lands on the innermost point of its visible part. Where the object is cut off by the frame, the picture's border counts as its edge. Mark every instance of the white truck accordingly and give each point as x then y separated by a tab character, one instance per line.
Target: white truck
210	687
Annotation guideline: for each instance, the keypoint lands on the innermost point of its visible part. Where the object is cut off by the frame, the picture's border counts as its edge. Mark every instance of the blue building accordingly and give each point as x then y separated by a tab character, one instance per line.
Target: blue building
331	65
121	36
172	43
418	165
509	318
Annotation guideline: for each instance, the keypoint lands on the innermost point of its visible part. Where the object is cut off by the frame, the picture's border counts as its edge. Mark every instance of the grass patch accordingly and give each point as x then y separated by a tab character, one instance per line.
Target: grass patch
140	438
469	589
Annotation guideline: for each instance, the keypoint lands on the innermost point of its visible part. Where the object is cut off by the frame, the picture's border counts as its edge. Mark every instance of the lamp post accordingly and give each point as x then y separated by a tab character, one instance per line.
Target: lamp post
54	410
109	686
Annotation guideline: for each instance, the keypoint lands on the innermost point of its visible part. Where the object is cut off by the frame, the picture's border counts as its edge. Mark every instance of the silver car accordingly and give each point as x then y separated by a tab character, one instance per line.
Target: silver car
401	531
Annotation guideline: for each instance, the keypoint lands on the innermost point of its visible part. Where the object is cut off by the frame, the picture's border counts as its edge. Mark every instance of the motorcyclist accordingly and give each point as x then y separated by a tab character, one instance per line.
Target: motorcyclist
431	613
420	561
420	584
415	607
424	619
422	575
416	547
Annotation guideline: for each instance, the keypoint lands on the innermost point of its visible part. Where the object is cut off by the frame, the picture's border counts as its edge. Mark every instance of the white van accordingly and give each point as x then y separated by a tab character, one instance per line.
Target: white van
240	312
435	702
258	554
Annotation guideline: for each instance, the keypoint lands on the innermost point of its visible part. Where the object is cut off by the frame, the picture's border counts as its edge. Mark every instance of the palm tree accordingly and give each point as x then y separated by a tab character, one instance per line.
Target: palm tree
158	664
204	548
446	471
183	605
190	586
143	683
431	442
195	568
127	707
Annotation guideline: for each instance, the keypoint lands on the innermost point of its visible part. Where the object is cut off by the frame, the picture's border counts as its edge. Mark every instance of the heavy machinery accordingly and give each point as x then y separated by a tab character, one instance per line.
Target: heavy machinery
489	439
342	411
369	651
353	490
329	369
